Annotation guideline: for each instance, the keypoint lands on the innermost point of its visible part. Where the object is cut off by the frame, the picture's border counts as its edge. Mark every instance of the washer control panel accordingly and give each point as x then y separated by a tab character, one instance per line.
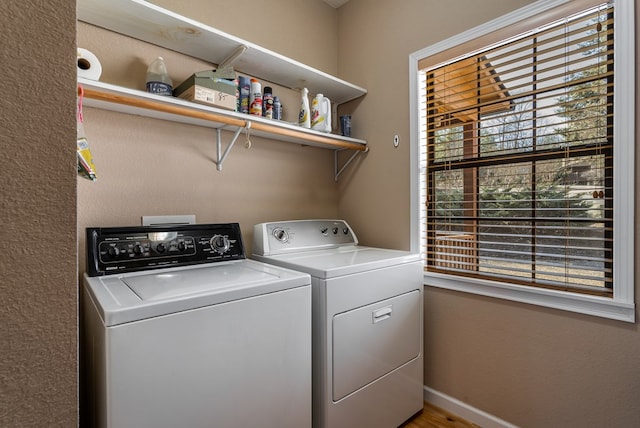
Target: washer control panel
115	250
301	235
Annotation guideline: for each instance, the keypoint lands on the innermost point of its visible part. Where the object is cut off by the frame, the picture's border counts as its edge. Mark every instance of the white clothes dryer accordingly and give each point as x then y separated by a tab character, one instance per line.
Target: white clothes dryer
367	317
181	330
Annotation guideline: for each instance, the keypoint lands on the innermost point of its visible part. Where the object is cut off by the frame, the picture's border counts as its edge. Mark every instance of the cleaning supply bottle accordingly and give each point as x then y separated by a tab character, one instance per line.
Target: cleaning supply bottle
304	118
255	98
158	80
277	108
267	102
321	113
244	84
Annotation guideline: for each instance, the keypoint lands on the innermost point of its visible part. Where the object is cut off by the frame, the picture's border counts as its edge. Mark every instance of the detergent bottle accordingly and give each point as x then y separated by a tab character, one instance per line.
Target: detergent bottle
304	118
321	113
158	80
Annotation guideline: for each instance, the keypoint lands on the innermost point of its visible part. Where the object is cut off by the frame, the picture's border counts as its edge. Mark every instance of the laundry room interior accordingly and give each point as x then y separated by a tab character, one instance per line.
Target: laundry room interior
491	361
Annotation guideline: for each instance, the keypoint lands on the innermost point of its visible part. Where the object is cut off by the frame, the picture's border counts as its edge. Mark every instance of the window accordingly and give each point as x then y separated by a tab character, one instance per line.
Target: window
519	170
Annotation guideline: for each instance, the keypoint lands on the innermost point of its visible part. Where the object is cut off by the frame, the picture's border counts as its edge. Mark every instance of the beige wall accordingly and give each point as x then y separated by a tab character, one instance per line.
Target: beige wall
38	216
531	366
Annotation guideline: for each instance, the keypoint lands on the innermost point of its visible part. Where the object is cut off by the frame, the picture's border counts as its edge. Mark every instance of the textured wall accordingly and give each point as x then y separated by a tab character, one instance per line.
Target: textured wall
531	366
38	237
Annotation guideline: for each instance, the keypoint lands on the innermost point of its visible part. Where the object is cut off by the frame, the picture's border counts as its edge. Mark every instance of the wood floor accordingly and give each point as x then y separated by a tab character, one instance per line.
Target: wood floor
435	417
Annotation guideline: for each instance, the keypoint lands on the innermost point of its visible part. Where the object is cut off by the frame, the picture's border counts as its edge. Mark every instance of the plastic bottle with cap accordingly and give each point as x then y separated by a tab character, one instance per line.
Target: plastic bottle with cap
321	113
304	117
255	98
158	80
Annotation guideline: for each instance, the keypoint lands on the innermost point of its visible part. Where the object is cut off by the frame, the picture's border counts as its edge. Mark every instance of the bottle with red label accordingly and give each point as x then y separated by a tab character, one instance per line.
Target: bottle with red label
255	98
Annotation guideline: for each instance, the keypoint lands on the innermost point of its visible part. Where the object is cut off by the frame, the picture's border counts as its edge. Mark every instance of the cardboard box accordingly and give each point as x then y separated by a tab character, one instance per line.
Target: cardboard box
217	88
202	95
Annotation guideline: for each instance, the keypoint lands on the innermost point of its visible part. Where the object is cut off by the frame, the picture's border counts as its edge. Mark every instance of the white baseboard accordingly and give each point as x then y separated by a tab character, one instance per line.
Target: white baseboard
464	410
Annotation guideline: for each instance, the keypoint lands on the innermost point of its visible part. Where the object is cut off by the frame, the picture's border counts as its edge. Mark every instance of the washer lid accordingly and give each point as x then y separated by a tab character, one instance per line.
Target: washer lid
141	295
346	260
214	279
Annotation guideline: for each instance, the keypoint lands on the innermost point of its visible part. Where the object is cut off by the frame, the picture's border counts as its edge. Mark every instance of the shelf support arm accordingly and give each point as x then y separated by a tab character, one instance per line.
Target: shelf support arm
346	164
221	158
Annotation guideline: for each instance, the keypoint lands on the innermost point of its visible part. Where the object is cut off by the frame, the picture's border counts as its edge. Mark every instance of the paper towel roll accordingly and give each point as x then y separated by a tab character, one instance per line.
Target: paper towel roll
88	65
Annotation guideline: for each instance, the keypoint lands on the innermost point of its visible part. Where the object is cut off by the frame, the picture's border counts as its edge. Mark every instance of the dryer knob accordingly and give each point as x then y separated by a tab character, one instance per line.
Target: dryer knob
280	234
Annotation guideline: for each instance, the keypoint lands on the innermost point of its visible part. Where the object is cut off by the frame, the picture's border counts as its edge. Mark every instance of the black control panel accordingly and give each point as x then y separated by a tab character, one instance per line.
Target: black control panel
113	250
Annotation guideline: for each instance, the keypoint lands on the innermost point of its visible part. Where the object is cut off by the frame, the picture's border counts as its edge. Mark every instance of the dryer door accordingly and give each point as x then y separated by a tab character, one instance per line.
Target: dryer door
373	340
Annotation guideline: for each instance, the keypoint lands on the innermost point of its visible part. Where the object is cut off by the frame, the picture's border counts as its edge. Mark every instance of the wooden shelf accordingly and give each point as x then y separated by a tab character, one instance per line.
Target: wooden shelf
150	23
115	98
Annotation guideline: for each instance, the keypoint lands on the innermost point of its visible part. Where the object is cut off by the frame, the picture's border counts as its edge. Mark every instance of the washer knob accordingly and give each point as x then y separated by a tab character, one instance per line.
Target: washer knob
137	249
335	230
220	244
161	248
182	246
113	251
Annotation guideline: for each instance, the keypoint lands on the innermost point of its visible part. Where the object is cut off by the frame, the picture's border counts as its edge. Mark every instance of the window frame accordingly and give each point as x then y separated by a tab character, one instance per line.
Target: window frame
619	307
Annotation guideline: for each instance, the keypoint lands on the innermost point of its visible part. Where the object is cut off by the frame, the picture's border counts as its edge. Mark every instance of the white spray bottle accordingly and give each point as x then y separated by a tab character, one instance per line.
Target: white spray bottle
304	118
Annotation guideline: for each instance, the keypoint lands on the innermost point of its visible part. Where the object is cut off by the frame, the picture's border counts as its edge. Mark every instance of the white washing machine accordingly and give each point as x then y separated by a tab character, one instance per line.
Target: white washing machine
181	330
367	308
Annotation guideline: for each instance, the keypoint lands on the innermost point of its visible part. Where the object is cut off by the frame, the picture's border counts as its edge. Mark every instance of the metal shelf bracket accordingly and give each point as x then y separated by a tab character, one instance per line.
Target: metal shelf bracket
337	169
221	157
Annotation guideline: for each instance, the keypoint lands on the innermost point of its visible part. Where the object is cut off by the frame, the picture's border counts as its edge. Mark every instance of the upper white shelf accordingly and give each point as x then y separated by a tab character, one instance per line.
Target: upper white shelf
150	23
131	101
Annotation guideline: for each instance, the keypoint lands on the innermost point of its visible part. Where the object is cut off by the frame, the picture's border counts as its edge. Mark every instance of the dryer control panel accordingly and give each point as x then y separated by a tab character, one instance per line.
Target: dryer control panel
112	250
301	235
